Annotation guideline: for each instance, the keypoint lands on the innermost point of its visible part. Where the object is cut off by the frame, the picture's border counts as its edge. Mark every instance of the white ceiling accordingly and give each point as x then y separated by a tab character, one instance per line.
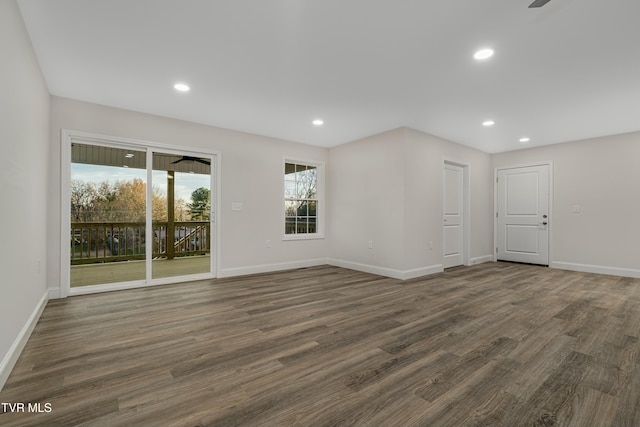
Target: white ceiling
569	70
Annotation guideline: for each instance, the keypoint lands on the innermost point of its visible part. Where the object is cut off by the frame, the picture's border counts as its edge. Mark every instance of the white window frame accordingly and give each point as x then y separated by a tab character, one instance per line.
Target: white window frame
70	136
320	210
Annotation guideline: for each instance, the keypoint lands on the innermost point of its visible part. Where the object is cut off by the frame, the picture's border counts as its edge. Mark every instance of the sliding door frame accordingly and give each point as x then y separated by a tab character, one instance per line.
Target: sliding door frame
70	136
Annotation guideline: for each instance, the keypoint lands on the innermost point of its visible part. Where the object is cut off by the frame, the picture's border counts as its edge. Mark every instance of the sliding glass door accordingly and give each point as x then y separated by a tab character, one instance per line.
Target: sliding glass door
137	215
108	215
181	215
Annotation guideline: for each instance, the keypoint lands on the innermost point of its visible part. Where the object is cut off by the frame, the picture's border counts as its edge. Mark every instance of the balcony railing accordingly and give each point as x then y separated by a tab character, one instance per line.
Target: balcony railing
93	242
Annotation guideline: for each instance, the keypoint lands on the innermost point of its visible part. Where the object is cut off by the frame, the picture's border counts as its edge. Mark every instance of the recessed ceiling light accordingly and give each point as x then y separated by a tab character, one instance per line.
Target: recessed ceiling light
483	54
488	123
318	122
525	139
181	87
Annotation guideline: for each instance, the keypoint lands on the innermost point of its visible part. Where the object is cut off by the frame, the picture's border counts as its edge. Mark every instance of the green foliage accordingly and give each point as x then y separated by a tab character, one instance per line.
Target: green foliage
125	201
200	205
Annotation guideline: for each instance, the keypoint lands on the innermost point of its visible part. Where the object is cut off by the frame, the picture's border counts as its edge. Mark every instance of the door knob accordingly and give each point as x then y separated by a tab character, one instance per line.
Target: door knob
544	222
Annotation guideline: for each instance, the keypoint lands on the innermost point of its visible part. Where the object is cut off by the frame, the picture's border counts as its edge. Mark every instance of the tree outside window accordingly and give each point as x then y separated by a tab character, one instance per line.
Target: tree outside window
300	198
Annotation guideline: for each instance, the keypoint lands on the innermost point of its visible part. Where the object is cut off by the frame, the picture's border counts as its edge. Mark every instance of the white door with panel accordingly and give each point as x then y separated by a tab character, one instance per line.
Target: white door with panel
453	216
523	214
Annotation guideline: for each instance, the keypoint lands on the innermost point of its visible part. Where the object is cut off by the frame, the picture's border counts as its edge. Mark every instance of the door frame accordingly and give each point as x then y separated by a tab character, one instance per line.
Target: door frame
466	210
68	137
548	163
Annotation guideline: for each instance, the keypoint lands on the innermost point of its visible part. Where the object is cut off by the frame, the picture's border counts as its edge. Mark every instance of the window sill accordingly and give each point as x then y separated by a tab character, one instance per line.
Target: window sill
290	237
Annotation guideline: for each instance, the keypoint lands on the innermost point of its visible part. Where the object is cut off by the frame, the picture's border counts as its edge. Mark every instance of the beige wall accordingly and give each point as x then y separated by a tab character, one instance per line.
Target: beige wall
602	176
24	160
252	174
424	161
366	200
388	188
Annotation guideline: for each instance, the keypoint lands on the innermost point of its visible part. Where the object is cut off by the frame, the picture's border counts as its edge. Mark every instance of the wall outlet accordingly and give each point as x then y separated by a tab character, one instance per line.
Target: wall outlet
236	206
370	244
430	245
577	209
267	244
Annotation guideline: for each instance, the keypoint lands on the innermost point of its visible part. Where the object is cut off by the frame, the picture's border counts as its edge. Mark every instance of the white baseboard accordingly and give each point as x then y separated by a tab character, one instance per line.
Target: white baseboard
381	271
387	272
598	269
422	271
481	259
372	269
54	293
10	359
268	268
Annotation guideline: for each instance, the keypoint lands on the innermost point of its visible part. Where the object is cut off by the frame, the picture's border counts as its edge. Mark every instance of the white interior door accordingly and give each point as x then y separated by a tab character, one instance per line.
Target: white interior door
453	216
523	214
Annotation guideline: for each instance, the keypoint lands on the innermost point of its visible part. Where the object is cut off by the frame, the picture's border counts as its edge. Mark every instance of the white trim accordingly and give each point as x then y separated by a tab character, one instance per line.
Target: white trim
70	136
552	214
111	140
597	269
10	359
320	188
148	226
466	208
54	292
302	236
495	204
65	212
372	269
466	257
481	259
216	214
526	165
422	271
269	268
494	247
388	272
120	286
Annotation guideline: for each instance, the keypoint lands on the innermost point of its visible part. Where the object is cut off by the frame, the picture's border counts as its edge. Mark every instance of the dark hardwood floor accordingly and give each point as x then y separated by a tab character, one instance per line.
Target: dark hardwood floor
494	344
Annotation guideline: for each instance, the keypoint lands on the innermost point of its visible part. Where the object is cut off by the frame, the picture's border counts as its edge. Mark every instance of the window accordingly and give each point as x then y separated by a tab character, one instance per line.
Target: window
301	199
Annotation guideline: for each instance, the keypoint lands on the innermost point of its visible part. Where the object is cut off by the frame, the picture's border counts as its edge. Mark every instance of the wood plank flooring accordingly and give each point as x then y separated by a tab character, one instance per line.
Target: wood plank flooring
496	344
